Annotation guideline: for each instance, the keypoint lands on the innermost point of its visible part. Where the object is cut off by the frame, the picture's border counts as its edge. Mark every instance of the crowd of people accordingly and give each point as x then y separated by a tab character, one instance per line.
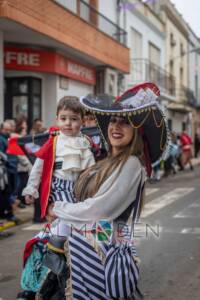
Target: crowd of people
14	170
178	157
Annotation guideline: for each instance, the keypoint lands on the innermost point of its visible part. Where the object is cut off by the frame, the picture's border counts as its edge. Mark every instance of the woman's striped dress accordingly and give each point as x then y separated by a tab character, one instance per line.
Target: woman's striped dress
86	257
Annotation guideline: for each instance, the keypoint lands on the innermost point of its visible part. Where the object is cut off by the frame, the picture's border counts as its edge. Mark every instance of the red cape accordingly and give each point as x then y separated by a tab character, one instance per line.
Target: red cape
47	154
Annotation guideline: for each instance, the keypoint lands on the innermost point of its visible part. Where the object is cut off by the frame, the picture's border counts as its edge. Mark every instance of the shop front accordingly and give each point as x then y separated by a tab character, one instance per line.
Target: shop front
35	79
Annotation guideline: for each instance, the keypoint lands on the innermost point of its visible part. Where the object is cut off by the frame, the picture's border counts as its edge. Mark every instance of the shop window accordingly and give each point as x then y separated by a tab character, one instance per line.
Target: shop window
22	98
19	106
36	107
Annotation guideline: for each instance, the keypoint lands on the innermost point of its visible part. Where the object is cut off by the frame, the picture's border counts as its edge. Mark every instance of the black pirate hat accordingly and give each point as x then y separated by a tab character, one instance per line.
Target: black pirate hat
140	105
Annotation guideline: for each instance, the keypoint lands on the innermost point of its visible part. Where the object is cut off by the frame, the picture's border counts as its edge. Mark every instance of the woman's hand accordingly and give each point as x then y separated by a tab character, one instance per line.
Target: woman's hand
29	199
50	216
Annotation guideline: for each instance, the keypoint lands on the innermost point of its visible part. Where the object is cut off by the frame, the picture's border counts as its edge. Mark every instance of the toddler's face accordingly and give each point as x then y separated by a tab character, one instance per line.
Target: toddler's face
69	122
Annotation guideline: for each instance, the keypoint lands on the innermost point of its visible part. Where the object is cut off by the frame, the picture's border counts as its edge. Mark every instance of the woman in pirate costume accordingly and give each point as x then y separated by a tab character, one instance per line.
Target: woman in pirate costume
103	265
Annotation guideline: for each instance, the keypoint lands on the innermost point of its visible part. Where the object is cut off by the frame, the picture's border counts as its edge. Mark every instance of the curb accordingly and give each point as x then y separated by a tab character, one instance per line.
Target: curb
6	225
11	224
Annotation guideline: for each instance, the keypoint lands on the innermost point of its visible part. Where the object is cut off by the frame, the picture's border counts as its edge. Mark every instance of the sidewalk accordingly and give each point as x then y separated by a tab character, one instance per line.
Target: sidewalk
196	161
26	214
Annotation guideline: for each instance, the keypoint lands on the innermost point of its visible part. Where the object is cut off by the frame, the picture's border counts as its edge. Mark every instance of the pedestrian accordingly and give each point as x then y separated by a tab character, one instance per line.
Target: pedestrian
5	208
170	159
59	163
196	145
21	127
37	127
155	172
90	125
10	193
179	153
89	120
24	166
109	193
186	143
12	123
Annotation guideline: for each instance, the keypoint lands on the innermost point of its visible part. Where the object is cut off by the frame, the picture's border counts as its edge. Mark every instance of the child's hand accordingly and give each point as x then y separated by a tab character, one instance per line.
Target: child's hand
50	216
29	199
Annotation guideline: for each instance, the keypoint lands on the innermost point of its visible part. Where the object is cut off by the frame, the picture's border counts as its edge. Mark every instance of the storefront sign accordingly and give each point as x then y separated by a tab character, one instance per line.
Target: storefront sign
26	59
49	62
79	71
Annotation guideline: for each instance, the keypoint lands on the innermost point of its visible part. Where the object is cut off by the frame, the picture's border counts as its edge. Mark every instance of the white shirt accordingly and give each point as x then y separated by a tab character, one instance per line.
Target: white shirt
111	200
75	155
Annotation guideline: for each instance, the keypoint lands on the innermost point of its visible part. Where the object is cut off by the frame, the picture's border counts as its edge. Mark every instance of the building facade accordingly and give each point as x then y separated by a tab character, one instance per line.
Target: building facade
56	48
194	79
179	113
146	40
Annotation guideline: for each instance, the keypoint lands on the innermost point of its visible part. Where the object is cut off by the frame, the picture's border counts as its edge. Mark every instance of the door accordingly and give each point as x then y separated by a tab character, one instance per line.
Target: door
22	98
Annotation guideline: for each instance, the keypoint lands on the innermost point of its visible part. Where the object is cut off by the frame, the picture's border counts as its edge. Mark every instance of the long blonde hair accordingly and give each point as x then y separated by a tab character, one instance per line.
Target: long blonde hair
90	180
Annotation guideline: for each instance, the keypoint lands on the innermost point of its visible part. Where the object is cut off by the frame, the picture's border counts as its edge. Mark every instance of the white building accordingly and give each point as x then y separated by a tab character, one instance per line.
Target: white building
146	40
194	78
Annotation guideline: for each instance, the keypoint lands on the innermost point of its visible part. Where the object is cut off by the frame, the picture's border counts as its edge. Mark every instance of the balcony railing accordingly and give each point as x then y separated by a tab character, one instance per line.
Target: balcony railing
187	96
92	16
143	70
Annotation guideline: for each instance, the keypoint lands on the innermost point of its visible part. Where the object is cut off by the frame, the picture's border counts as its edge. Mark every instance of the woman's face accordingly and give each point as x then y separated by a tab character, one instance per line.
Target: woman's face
120	134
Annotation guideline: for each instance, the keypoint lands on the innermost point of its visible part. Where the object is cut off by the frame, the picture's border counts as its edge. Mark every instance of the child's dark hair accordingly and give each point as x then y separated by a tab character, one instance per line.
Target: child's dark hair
70	103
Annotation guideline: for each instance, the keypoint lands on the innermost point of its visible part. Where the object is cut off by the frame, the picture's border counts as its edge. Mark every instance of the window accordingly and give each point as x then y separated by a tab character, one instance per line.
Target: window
154	57
69	4
85	10
172	40
154	54
171	67
22	98
137	70
136	44
182	52
19	106
181	75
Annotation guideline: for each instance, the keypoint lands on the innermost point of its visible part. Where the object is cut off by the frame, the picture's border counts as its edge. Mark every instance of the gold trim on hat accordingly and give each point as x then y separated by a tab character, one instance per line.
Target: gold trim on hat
142	122
101	133
162	145
156	123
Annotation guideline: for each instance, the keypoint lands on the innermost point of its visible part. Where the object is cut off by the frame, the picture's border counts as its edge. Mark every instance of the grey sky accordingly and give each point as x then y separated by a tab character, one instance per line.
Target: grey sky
190	10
